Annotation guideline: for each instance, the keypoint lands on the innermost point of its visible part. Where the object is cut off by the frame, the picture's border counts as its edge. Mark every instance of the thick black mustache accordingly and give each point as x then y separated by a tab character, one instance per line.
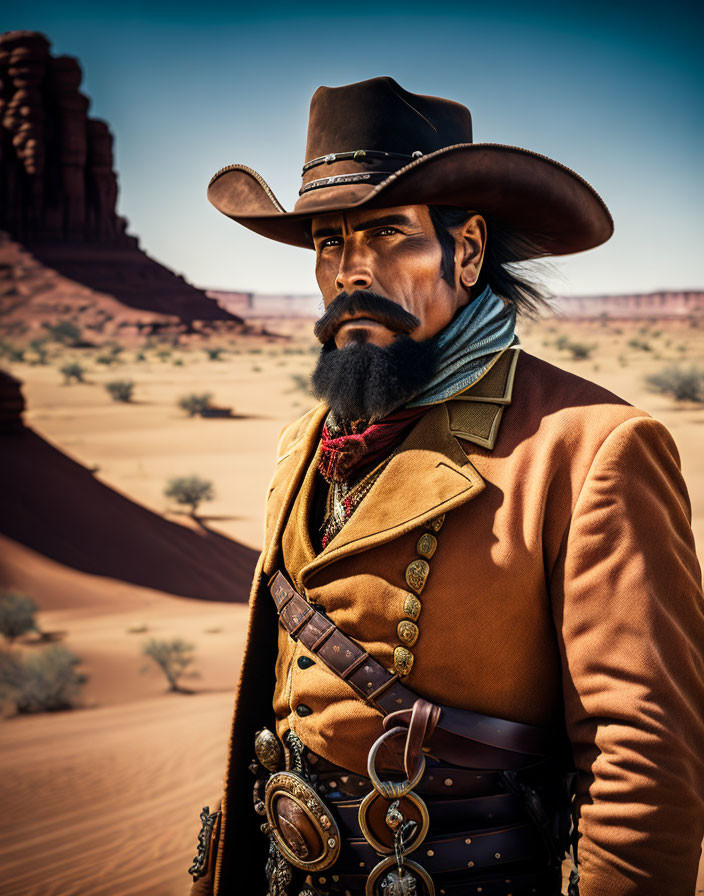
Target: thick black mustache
360	301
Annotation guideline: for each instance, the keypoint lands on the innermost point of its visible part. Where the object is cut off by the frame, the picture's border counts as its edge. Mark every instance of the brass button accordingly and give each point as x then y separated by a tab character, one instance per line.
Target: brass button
427	545
411	606
417	575
436	524
407	632
403	660
305	662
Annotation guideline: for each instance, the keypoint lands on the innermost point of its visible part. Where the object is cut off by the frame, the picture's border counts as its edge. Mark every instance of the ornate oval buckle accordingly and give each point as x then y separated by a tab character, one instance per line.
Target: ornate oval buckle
304	830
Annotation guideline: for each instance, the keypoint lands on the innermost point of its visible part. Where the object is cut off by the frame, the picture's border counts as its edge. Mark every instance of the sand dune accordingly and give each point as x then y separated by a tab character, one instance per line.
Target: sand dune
56	506
108	803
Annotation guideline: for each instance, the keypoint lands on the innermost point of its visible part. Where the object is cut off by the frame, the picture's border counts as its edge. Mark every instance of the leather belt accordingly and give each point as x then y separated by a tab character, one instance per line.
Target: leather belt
501	809
457	853
461	737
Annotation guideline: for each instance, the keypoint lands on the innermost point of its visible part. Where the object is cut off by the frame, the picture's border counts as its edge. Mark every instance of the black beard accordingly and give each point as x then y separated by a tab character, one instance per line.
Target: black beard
365	382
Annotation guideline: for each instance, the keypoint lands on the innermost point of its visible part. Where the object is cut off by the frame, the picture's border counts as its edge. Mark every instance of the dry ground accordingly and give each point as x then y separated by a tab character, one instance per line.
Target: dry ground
105	801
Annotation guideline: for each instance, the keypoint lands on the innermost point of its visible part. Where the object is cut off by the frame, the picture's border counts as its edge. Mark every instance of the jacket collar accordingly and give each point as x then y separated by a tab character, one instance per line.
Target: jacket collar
431	454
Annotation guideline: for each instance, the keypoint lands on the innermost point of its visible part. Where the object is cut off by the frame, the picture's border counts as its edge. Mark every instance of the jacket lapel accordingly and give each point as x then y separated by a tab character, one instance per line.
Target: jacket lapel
430	475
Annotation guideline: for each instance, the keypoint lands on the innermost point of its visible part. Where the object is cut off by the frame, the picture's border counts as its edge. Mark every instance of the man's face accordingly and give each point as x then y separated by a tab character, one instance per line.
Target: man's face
395	253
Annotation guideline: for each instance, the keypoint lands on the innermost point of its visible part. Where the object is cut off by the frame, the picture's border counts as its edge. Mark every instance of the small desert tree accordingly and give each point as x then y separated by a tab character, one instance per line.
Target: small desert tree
173	657
39	348
215	353
42	682
73	371
189	490
120	390
195	403
16	615
682	383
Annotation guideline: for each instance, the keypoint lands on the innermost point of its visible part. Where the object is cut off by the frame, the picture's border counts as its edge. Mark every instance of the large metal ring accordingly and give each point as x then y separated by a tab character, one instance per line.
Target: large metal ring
392	790
390	862
371	837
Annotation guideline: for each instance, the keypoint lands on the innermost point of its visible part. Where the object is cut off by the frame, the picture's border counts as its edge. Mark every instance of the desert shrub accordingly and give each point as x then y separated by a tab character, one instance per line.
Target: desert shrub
73	371
12	352
16	614
46	681
107	358
120	390
195	403
64	331
580	350
640	344
189	490
561	342
173	657
164	354
178	362
38	346
214	354
140	356
682	383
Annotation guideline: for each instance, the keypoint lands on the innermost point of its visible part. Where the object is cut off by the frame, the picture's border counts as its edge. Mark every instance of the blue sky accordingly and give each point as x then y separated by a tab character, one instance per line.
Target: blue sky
614	91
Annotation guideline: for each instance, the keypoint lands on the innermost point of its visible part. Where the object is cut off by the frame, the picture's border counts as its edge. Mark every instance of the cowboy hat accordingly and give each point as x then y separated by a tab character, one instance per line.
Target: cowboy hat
374	144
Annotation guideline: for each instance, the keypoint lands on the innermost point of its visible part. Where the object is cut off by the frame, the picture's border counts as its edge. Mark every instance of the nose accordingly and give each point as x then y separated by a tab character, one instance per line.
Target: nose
354	271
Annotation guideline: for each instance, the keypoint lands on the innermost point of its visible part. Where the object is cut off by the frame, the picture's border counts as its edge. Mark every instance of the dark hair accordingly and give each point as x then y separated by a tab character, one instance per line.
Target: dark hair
504	249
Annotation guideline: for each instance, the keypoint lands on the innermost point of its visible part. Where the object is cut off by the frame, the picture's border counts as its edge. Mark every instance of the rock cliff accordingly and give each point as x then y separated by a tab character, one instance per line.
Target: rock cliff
58	195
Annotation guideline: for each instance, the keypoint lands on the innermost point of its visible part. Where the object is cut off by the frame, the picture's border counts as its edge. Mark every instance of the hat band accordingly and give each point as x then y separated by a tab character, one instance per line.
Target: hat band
340	180
356	154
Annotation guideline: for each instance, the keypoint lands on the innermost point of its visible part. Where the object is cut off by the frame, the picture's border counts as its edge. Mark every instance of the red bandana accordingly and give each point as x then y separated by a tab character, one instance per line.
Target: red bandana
345	455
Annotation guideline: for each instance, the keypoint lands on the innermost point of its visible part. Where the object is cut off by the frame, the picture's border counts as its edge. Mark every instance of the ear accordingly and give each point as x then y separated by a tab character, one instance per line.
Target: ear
469	252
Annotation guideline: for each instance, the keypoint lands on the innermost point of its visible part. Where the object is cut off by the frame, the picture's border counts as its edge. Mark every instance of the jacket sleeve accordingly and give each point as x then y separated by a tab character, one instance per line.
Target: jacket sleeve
629	613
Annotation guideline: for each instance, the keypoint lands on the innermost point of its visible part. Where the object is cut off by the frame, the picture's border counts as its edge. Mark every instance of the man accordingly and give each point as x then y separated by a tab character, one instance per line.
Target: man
479	583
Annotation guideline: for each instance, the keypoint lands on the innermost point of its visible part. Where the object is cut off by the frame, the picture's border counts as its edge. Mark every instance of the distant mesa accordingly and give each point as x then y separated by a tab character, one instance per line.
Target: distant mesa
665	304
58	220
263	305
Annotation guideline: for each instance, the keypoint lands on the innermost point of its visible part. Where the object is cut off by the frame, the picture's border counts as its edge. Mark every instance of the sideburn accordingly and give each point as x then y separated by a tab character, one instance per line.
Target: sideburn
366	382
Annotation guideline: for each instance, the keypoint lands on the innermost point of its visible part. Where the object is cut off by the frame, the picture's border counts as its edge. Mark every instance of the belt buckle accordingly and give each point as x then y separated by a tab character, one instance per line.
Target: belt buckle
302	826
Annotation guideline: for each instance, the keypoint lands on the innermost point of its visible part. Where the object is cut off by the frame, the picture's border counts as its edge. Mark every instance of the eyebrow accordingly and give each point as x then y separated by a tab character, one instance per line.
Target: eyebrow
384	221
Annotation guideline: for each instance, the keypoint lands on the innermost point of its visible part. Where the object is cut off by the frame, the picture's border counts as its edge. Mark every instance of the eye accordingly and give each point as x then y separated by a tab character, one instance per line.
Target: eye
386	231
330	241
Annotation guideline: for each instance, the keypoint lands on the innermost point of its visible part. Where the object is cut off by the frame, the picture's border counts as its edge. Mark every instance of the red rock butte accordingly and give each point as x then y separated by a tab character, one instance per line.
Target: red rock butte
58	196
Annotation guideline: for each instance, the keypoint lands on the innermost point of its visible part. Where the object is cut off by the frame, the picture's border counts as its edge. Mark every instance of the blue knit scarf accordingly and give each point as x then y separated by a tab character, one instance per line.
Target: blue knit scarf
468	346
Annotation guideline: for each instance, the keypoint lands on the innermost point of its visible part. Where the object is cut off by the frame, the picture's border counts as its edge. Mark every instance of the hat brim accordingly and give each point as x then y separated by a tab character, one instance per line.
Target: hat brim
522	191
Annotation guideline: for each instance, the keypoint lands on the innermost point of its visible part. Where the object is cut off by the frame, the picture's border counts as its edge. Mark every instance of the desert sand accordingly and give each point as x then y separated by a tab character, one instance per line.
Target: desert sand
104	800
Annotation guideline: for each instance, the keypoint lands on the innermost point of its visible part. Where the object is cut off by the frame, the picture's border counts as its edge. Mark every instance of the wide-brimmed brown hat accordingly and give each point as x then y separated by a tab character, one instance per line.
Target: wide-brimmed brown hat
375	144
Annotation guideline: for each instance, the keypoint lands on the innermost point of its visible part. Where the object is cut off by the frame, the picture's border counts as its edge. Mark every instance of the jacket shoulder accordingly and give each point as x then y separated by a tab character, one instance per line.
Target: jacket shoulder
544	389
293	432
